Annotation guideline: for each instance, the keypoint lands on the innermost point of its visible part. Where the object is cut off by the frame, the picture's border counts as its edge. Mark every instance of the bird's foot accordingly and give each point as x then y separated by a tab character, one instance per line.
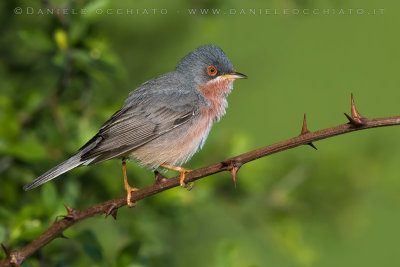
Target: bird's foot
183	172
128	188
182	183
129	191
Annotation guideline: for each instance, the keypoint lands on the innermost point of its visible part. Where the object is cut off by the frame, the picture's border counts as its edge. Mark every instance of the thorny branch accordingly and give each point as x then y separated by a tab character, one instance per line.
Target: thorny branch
356	122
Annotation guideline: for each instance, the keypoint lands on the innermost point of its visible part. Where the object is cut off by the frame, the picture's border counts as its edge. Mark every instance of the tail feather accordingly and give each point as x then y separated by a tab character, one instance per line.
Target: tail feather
65	166
69	164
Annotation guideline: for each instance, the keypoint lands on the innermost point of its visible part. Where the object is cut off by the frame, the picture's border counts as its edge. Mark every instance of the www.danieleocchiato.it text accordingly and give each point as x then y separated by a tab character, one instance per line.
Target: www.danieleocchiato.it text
200	11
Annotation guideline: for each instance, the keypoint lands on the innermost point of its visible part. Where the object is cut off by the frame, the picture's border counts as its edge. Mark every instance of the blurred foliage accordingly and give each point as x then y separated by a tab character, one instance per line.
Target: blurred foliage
62	76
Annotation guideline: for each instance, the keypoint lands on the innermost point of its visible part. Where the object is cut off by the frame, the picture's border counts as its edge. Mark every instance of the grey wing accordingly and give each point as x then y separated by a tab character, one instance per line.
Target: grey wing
141	121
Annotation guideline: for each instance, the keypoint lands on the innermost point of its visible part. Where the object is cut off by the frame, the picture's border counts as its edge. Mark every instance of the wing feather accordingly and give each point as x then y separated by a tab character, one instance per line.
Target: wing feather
140	122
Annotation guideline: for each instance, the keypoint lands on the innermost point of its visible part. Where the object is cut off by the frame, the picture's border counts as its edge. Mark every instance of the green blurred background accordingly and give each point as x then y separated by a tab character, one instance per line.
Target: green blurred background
62	76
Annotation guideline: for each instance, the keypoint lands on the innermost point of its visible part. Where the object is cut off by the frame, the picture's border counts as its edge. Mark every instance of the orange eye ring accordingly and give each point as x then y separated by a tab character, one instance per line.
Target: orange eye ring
212	71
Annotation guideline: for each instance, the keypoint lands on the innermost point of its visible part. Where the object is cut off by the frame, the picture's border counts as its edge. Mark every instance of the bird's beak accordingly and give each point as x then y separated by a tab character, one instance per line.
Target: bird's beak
234	75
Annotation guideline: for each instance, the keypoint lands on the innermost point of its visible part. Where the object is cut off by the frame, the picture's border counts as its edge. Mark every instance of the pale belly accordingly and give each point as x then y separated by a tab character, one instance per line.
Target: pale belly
175	147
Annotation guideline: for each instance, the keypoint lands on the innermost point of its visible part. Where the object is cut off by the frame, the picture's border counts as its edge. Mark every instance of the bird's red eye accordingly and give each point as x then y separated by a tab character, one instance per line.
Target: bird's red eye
212	71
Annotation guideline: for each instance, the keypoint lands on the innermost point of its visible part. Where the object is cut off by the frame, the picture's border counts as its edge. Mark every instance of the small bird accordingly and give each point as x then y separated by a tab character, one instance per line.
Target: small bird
164	122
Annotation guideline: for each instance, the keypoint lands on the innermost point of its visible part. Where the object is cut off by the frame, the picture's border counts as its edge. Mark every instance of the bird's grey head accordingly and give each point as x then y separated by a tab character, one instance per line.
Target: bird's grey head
206	63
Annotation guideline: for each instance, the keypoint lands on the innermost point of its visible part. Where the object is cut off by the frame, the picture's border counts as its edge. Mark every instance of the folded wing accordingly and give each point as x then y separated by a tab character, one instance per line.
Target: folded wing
138	123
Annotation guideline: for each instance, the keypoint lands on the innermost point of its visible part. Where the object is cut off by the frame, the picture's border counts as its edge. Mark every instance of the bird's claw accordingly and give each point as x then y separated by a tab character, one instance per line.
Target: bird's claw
182	183
190	186
129	191
183	172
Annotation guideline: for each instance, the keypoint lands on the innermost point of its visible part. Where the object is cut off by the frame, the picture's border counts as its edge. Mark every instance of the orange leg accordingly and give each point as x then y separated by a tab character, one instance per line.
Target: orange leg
182	171
128	188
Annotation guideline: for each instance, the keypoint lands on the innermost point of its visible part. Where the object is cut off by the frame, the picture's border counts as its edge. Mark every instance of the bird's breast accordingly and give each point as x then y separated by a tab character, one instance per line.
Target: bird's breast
215	91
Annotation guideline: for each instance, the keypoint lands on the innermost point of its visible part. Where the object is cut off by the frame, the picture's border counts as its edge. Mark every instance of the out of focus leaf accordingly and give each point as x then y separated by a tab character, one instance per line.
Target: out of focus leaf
29	148
49	195
91	245
8	120
95	6
81	57
3	233
36	39
128	254
225	254
59	59
77	29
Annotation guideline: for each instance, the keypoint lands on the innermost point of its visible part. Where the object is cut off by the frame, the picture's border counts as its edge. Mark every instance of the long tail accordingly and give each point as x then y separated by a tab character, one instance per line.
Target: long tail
67	165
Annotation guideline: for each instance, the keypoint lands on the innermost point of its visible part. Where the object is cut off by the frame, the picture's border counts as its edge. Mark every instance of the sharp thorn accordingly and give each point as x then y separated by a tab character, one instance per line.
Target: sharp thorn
61	235
312	145
354	112
233	166
114	214
71	212
355	119
349	118
69	209
357	122
112	210
234	170
304	129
